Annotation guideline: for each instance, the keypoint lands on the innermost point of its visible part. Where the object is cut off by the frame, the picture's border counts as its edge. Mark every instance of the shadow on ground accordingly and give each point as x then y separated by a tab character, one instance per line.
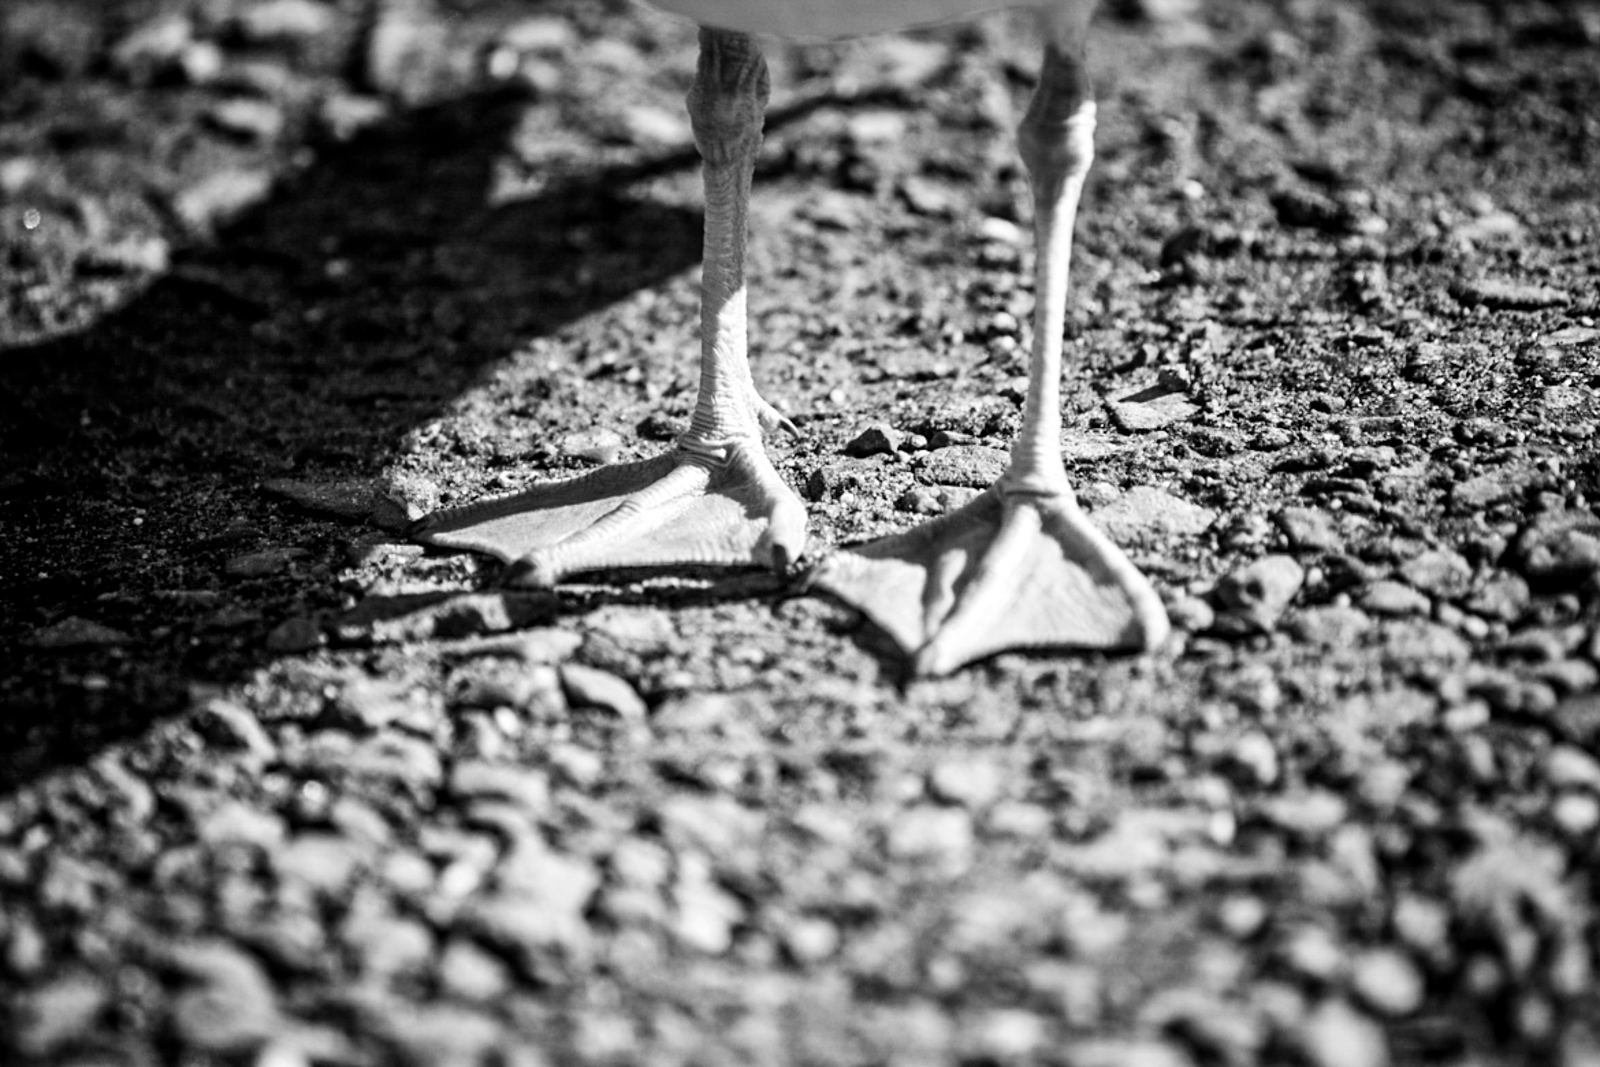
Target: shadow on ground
306	342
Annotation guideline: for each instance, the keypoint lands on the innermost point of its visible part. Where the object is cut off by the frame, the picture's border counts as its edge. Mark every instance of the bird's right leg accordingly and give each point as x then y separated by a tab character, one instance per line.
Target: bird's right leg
716	498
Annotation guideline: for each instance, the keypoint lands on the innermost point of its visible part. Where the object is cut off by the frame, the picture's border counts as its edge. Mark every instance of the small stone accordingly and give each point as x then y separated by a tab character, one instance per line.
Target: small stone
58	1013
1310	813
1570	766
1008	1035
269	21
323	862
1258	593
1242	915
221	197
1309	529
296	635
1191	614
590	687
1387	981
526	787
1330	625
596	446
247	119
1145	513
810	940
1576	814
372	703
341	116
1147	416
263	564
971	781
75	632
1256	755
1559	547
152	48
1314	952
237	823
941	837
469	973
1336	1035
1393	598
1438	572
920	500
977	466
230	1006
431	617
1503	295
1504	596
349	498
440	1034
877	439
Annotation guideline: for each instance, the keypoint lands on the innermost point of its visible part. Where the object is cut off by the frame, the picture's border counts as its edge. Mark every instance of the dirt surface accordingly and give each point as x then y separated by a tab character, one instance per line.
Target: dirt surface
281	788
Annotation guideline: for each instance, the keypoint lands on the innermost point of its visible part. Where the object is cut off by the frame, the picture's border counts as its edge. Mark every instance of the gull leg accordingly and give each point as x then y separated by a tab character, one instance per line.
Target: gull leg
1021	566
716	498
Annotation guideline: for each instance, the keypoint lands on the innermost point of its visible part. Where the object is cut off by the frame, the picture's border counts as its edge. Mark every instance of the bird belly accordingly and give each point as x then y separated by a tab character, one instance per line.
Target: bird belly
830	18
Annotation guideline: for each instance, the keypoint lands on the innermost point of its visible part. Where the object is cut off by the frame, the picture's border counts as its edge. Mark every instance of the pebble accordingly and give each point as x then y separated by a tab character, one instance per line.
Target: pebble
526	787
1310	813
706	915
299	634
1439	572
810	939
1576	814
323	862
1147	416
221	197
1559	547
597	446
1191	614
940	837
57	1013
591	687
971	781
1309	529
1145	513
444	1034
469	973
349	498
1388	597
1387	981
1568	766
1504	295
977	466
341	116
1255	754
1330	625
1504	596
1336	1035
230	1006
237	823
428	617
1259	593
264	563
372	703
75	632
247	119
152	48
267	21
877	439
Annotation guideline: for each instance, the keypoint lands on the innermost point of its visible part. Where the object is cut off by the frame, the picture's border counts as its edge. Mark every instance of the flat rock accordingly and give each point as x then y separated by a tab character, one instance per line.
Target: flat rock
348	498
1439	572
1309	529
1502	295
1330	625
230	1006
437	616
1388	597
75	632
591	687
976	466
877	439
1145	513
1145	416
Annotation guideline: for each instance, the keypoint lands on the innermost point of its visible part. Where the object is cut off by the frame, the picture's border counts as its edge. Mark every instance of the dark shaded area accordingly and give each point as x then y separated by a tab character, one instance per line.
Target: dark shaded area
370	292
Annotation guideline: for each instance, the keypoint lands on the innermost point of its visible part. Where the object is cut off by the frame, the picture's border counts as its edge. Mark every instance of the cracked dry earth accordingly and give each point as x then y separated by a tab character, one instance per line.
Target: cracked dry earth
280	788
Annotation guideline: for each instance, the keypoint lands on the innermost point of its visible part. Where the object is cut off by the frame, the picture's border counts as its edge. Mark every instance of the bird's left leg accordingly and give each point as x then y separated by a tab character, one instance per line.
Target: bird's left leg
715	499
1021	566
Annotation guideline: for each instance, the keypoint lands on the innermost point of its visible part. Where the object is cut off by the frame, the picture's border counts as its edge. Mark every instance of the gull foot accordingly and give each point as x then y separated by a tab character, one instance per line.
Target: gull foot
1010	570
719	506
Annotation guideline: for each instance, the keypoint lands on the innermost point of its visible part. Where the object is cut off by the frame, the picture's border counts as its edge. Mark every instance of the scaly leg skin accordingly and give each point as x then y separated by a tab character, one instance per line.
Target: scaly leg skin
715	499
1020	567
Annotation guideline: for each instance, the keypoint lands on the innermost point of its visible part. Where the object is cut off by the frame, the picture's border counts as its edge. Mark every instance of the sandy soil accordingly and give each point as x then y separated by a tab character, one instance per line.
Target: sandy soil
281	788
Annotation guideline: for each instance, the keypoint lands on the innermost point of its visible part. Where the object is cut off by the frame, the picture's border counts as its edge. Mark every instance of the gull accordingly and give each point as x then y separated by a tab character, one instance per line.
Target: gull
1019	567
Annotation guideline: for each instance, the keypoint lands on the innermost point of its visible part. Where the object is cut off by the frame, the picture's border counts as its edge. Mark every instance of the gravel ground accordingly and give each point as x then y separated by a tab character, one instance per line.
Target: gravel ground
279	788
